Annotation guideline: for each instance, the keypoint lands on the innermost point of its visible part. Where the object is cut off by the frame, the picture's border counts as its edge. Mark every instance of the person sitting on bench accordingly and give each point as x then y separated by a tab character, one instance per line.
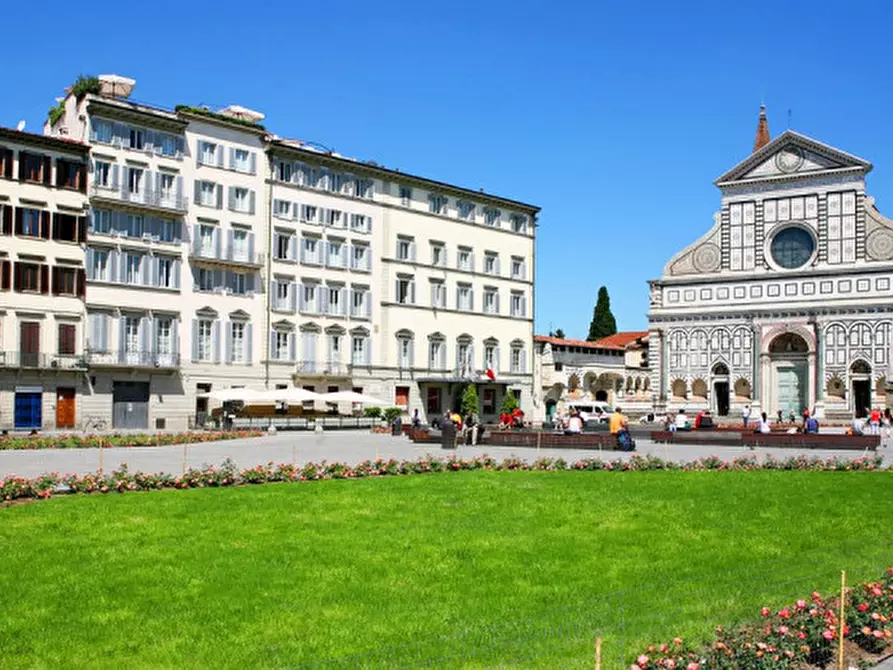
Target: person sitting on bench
704	420
682	422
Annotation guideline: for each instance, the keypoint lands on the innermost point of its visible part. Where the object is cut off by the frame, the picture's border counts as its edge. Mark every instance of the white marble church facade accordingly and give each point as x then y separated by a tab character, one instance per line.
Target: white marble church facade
787	301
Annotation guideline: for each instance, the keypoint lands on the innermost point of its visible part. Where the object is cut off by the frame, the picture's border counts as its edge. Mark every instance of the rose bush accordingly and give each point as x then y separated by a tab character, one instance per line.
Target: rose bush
800	635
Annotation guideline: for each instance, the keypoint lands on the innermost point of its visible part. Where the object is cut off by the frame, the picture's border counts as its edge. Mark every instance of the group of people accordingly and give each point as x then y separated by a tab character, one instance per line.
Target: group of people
469	427
574	422
510	420
880	422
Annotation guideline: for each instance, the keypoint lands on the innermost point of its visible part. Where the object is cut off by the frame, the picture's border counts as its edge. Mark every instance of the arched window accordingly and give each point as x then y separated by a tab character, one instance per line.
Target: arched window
464	356
437	352
405	352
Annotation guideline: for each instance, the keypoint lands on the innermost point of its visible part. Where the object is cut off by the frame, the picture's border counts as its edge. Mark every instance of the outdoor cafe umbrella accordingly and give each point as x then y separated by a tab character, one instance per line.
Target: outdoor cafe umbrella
351	396
292	394
234	394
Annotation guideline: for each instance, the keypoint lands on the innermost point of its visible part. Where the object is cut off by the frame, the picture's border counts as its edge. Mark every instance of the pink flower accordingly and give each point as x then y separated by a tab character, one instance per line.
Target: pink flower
765	612
801	635
677	641
782	630
828	634
801	604
785	613
862	607
692	666
878	633
642	661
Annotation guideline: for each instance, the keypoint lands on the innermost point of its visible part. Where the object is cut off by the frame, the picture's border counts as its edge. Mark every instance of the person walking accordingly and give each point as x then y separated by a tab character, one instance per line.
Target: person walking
745	414
874	422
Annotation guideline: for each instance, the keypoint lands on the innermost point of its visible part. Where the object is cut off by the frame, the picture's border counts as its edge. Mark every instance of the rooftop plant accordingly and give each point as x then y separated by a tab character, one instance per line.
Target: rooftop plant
83	85
200	111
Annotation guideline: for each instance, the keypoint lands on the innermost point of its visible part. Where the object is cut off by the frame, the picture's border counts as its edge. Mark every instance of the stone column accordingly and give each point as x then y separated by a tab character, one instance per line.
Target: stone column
756	361
656	364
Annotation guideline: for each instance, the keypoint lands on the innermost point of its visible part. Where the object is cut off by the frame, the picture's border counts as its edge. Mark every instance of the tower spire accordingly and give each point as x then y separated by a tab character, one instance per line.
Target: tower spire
762	138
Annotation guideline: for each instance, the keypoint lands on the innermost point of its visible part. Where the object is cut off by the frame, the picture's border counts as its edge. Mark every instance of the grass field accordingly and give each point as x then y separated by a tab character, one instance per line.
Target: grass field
474	569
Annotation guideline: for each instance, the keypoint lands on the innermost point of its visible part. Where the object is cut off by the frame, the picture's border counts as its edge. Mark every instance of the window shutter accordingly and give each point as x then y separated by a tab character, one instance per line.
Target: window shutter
228	347
215	342
198	153
411	360
251	247
434	295
112	266
5	270
249	347
179	191
496	360
195	339
251	202
146	339
175	337
249	282
302	298
471	299
217	243
271	353
293	248
198	192
17	277
22	156
368	304
322	300
412	251
523	305
367	350
45	226
291	346
345	296
82	229
115	177
497	303
20	215
232	158
523	361
54	285
47	170
253	163
412	292
59	172
219	150
231	198
219	196
82	177
7	220
44	278
175	270
81	283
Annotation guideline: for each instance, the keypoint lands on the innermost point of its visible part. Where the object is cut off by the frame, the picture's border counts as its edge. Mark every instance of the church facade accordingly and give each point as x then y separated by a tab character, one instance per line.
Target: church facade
786	303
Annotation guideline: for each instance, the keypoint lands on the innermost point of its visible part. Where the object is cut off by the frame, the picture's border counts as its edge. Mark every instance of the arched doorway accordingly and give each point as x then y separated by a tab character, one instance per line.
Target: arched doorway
721	388
601	395
788	354
860	379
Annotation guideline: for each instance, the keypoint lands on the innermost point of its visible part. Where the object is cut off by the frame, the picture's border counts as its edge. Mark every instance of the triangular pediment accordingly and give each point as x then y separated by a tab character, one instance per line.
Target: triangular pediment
792	155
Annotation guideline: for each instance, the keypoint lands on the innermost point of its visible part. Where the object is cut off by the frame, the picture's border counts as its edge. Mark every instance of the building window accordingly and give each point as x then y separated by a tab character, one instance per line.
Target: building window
66	227
335	257
364	188
208	153
437	204
282	294
208	194
492	216
308	298
405	249
310	251
102	174
489	401
283	246
438	255
404	351
240	247
359	306
137	138
491	357
436	355
518	305
132	269
401	396
241	200
464	298
67	341
164	336
71	175
242	160
165	272
336	305
237	342
282	209
205	279
359	350
132	335
438	295
491	263
28	277
519	270
135	181
465	259
360	258
99	264
405	293
466	210
491	301
280	345
309	214
284	171
239	283
360	223
34	168
207	236
406	196
64	281
464	362
519	223
335	218
517	360
29	222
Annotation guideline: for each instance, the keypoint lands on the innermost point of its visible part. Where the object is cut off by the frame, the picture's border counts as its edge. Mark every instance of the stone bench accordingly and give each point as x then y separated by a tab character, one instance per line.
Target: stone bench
523	438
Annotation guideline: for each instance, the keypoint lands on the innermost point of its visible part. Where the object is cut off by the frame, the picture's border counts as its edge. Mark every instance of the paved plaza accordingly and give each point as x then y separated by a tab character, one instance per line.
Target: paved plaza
345	446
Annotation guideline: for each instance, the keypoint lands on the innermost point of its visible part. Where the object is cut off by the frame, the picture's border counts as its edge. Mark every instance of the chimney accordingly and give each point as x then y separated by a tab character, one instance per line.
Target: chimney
762	138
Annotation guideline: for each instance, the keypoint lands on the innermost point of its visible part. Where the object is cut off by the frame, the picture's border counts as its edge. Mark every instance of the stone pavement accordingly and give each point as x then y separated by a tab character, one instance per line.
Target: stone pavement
346	446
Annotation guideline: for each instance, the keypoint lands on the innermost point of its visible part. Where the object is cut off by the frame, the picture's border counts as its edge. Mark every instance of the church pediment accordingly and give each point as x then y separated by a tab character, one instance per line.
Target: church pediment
791	155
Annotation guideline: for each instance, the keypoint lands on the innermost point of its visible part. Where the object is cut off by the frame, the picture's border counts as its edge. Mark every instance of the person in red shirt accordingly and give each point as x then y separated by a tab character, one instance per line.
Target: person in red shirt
518	417
874	421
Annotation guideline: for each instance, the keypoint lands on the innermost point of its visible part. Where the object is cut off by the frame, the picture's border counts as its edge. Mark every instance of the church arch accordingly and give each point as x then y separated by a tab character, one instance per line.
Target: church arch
835	387
679	389
742	389
699	389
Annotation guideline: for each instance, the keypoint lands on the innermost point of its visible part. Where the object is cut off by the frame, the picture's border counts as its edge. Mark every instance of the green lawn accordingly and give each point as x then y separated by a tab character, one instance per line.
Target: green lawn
475	569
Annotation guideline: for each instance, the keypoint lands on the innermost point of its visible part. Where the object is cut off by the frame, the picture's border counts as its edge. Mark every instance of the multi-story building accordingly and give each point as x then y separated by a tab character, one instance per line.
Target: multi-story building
613	369
290	266
43	223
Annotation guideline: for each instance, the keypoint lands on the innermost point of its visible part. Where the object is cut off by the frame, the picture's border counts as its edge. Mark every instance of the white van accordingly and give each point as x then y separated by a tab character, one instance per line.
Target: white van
592	410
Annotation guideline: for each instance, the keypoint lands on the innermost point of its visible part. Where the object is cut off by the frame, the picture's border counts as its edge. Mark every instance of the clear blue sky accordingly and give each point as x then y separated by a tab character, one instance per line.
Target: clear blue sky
615	118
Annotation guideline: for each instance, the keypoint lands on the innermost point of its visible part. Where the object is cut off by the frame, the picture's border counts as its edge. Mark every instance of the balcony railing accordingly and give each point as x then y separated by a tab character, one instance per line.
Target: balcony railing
146	197
322	369
133	359
228	255
24	359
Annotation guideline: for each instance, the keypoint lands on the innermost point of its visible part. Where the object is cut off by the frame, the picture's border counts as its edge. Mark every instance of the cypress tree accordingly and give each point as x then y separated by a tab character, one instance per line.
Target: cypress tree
603	323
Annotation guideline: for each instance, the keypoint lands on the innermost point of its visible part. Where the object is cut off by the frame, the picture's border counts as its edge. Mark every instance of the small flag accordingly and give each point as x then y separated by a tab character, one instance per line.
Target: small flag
490	374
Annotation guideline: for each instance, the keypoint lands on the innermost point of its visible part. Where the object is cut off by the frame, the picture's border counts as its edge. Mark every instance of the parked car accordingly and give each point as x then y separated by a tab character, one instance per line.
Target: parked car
590	411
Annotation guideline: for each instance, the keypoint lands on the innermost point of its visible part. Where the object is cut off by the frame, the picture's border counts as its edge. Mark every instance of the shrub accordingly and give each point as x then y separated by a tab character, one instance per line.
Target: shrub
372	412
391	413
470	401
509	403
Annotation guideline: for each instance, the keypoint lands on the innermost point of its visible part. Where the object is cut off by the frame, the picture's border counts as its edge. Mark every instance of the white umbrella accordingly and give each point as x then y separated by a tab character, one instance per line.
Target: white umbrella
243	394
351	396
290	395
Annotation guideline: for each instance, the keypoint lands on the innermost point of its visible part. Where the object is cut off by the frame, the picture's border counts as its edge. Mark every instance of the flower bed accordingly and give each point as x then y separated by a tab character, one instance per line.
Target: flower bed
13	487
801	635
121	440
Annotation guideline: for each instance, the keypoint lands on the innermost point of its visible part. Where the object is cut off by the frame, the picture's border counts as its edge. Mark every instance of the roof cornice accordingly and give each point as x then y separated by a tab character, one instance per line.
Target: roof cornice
45	141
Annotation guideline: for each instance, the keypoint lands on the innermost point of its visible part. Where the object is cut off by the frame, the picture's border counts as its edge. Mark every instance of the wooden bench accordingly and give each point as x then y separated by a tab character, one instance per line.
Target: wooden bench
778	440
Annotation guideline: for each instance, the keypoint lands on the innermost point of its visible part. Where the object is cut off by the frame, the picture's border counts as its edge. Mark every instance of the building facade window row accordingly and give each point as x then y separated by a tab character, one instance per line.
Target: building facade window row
38	168
40	223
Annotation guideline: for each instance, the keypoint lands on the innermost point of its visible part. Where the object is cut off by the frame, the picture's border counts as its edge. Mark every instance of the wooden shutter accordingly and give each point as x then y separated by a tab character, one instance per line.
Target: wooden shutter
6	220
44	278
17	277
20	214
7	155
81	279
45	226
60	172
57	280
22	156
47	170
5	271
82	178
82	229
55	225
29	334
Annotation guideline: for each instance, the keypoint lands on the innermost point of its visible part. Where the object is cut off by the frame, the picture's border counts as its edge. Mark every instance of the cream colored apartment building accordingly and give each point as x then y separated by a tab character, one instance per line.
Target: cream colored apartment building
219	255
43	218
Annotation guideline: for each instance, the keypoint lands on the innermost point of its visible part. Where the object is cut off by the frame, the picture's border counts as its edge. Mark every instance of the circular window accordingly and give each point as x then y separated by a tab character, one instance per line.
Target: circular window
792	247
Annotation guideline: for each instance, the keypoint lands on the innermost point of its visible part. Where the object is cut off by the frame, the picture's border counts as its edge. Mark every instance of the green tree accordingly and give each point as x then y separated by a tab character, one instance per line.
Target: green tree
470	402
559	333
509	402
603	323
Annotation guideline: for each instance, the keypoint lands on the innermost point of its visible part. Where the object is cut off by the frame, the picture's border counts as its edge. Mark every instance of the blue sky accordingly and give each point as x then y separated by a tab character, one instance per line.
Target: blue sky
615	118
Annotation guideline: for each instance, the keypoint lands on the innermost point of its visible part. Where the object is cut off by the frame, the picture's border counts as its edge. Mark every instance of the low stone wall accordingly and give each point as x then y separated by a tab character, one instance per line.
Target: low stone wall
778	440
